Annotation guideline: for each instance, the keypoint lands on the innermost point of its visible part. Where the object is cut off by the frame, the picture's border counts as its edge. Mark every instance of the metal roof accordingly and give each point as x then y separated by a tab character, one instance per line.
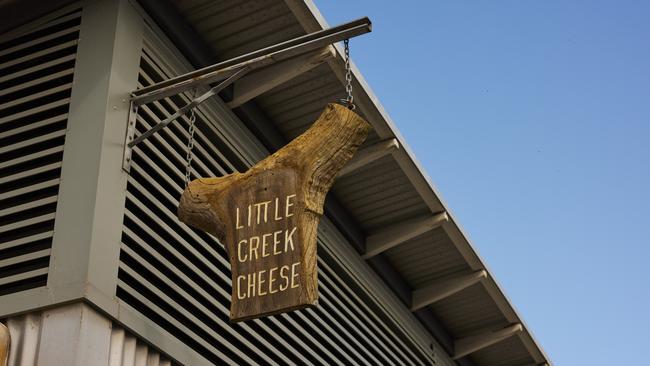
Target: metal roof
389	190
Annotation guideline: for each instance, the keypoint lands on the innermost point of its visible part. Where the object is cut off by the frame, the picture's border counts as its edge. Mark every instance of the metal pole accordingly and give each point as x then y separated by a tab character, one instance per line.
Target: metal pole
189	106
252	60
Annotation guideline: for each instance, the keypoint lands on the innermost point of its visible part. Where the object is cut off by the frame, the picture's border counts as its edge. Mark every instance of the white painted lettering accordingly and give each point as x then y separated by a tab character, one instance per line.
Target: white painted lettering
265	245
272	280
288	205
288	239
241	255
276	241
294	275
240	295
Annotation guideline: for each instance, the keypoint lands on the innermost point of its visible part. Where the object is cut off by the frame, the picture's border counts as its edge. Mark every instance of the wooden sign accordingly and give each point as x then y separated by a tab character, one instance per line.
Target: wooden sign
268	217
5	344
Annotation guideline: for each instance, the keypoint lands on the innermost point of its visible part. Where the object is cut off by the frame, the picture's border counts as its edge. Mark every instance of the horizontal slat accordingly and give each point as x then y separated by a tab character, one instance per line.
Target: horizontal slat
37	81
30	172
35	110
163	138
179	325
28	205
341	358
42	23
219	335
32	141
31	126
24	258
370	345
199	139
203	112
198	256
35	68
28	189
214	257
36	155
210	281
172	216
23	276
159	156
26	240
367	316
163	192
36	41
34	96
349	342
59	20
40	53
27	222
167	264
200	136
362	316
215	304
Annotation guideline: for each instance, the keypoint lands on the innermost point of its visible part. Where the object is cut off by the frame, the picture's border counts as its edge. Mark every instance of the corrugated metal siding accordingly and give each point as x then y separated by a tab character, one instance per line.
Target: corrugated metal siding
36	70
25	334
180	278
125	349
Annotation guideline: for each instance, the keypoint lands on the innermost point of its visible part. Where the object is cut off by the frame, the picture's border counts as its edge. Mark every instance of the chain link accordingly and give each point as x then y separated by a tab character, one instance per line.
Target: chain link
349	100
190	146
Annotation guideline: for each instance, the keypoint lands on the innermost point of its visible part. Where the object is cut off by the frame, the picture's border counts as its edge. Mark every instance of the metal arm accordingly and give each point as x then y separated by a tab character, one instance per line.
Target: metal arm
229	71
189	106
253	60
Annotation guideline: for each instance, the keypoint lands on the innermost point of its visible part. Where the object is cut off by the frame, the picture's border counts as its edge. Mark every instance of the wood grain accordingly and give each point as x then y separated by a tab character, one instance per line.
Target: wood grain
5	345
268	216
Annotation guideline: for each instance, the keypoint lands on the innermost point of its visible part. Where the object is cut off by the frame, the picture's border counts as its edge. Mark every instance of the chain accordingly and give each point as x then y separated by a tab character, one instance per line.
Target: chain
349	100
190	146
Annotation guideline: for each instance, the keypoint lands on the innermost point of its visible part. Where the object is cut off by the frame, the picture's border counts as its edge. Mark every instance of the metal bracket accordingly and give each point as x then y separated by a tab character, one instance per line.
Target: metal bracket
131	142
226	73
130	133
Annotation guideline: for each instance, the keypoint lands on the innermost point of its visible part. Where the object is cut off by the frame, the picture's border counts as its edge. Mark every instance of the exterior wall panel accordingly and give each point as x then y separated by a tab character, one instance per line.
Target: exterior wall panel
29	346
36	72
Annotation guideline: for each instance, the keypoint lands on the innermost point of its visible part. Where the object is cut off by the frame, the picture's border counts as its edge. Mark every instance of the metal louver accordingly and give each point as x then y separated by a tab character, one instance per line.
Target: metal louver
179	278
36	71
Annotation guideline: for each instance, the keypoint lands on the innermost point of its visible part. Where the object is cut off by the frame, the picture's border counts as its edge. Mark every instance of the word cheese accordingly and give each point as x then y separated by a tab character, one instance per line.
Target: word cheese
258	250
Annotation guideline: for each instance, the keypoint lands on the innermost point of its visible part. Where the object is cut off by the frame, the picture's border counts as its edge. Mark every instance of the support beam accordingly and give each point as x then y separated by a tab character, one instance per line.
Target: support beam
471	344
444	288
259	82
390	237
254	60
369	154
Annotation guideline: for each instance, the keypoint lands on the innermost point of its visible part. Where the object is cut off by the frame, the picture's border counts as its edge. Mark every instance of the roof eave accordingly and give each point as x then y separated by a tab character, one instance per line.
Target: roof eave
310	18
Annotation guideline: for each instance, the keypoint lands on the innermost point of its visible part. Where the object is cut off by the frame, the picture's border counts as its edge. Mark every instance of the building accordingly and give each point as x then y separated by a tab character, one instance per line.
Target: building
95	268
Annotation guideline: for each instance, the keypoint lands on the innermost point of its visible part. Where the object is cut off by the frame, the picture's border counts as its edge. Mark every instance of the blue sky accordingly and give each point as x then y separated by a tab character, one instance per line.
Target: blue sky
533	120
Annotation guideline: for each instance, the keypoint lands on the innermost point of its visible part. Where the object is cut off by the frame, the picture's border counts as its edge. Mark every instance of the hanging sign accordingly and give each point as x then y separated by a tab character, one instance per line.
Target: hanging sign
268	217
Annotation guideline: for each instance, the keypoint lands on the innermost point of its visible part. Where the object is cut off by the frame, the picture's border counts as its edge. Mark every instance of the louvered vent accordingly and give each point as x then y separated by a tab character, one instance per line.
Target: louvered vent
180	278
36	70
